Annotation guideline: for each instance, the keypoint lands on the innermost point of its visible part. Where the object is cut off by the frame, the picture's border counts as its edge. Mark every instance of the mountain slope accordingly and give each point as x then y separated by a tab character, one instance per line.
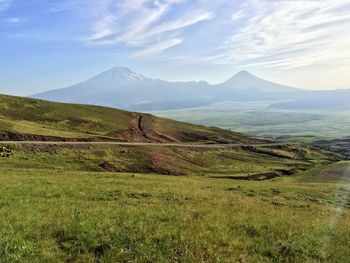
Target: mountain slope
244	80
32	119
121	88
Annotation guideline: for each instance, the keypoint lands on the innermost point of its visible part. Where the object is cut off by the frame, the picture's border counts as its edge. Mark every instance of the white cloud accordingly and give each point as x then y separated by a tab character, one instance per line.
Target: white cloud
181	23
144	24
290	34
238	15
13	20
158	47
5	4
145	18
135	16
103	27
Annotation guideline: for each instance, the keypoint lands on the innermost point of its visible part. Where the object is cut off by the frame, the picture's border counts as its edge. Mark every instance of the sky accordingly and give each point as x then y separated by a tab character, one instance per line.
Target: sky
50	44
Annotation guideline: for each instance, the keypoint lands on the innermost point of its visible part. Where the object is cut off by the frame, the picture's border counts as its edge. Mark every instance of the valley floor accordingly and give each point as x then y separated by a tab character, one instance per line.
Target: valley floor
76	216
259	119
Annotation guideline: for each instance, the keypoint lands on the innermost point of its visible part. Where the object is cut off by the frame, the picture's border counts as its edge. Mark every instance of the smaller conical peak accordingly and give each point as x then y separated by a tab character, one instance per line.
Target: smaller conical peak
244	73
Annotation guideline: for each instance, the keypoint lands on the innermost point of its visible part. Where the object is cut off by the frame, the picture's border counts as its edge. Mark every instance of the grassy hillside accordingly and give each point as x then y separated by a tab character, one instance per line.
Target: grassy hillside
227	162
66	216
31	119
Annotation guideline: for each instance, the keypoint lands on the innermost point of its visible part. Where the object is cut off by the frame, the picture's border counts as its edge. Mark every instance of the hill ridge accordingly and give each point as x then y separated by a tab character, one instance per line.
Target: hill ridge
34	119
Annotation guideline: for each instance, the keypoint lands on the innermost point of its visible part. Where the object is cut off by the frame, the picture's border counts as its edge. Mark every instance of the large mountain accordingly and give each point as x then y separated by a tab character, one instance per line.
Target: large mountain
122	88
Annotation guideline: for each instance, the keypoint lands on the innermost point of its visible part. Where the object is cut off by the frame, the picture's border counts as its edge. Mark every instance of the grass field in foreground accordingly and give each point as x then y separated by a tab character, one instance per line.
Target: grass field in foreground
59	216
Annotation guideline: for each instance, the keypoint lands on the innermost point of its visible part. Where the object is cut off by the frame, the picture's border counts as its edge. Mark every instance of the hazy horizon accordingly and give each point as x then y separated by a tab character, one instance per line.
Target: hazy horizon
10	92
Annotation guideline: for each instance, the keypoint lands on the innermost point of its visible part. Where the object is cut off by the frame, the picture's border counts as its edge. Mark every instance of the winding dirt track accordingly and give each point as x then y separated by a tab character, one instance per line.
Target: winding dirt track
228	145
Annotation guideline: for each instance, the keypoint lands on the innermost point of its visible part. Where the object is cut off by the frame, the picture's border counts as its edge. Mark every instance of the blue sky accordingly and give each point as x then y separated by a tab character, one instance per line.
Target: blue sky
48	44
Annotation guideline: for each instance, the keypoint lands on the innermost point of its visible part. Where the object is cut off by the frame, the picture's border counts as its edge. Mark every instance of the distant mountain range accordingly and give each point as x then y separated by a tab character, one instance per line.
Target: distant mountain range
120	87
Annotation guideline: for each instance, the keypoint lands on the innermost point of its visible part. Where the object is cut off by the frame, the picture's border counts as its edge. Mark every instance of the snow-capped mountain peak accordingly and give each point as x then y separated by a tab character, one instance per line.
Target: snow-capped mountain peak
118	74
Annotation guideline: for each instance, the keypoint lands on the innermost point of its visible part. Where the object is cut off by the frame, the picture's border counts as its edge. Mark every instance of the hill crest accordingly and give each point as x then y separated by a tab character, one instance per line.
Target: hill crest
33	119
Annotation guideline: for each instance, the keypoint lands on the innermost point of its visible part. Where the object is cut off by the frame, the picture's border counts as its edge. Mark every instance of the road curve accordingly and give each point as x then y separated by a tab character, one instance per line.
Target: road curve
148	144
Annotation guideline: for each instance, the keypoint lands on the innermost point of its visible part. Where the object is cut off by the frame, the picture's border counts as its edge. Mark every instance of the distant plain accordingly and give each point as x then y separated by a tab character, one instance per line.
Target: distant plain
260	119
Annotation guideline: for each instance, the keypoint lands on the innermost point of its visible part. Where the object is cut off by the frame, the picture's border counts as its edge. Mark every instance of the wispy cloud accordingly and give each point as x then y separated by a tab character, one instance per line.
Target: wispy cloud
179	24
5	4
158	47
238	15
13	20
290	34
269	33
144	24
103	27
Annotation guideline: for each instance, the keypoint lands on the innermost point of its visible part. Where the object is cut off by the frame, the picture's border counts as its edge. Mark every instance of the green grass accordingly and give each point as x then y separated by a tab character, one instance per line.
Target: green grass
165	160
25	116
57	204
36	116
332	173
63	216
